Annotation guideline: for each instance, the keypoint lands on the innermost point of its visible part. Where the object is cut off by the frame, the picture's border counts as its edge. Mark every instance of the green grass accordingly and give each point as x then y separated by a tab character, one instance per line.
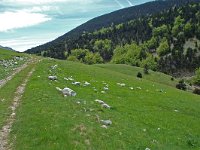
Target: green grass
7	94
133	71
47	120
8	55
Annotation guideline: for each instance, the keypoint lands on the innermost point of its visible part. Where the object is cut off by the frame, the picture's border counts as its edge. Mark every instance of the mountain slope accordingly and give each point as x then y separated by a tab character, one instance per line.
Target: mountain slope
168	41
152	115
146	113
59	45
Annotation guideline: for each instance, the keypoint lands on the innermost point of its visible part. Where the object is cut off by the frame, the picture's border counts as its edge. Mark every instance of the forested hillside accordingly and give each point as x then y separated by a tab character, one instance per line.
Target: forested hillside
58	45
167	41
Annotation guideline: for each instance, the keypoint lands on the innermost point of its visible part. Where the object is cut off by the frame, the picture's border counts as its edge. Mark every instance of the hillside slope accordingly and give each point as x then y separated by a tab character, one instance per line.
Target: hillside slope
148	115
168	41
157	77
58	45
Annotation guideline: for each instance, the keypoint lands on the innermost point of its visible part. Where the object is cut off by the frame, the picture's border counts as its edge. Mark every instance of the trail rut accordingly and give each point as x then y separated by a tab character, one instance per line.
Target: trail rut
4	132
4	81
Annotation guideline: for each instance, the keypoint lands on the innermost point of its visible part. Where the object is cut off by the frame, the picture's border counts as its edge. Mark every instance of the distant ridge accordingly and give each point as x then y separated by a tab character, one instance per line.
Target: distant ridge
7	48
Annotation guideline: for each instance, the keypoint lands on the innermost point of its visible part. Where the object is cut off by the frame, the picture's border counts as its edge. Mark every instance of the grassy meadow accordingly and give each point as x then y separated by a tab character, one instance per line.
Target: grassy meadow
152	114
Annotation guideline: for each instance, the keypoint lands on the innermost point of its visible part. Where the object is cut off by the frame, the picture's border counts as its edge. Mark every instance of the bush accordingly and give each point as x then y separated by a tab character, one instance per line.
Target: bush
72	58
181	85
139	75
79	53
164	48
196	91
146	69
93	58
85	56
127	54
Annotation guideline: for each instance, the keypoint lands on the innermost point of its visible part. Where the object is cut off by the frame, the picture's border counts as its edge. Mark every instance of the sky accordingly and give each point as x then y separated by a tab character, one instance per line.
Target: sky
28	23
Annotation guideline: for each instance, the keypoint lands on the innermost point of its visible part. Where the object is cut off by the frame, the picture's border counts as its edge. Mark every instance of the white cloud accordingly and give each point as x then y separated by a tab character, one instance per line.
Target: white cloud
23	43
20	19
39	2
120	4
41	8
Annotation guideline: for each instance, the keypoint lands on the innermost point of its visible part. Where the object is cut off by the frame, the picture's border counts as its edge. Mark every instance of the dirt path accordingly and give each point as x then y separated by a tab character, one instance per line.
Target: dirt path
4	132
17	70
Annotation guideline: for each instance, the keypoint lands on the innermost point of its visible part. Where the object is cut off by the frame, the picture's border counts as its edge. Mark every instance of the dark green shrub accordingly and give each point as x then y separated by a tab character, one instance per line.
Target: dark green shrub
196	91
181	85
139	75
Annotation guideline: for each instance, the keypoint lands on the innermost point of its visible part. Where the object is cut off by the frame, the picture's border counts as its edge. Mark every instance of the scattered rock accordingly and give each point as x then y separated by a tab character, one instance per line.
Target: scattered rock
104	126
103	92
106	122
66	79
67	91
105	88
52	78
99	101
76	83
121	84
70	79
13	115
86	83
105	106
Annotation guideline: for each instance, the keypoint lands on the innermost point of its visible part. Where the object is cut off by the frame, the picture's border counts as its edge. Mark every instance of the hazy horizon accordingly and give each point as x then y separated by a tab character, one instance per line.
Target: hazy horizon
29	23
